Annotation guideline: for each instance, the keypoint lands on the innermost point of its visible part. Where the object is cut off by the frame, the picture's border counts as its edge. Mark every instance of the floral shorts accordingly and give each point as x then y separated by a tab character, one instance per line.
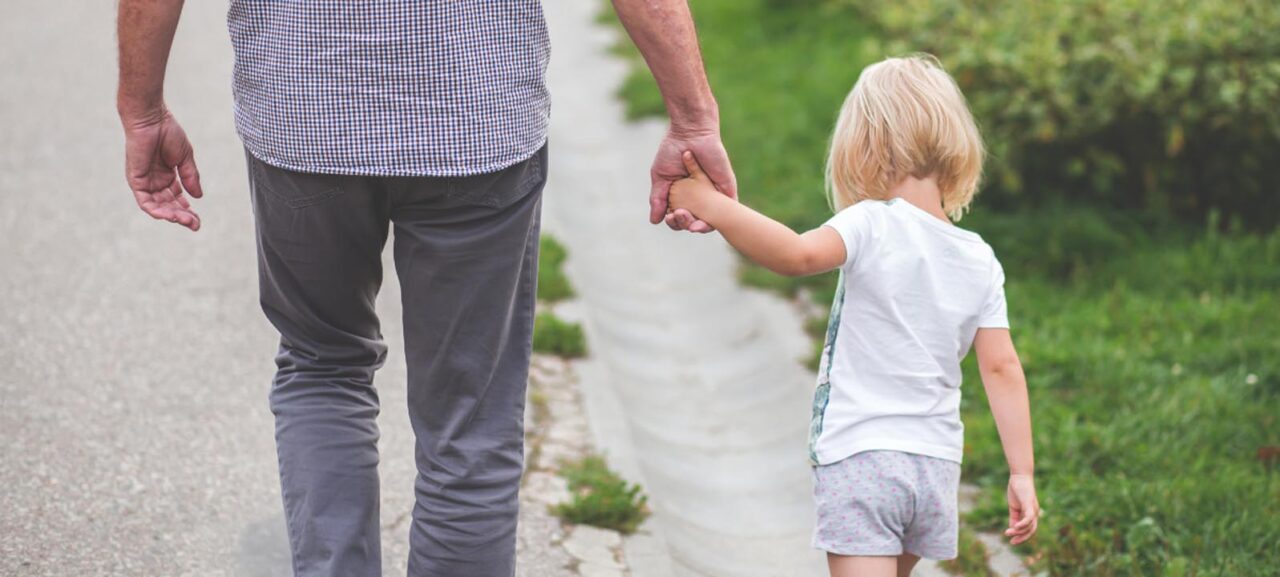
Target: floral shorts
885	503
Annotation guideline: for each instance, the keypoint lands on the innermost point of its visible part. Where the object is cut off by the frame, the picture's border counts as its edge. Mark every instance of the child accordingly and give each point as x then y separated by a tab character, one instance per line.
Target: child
915	294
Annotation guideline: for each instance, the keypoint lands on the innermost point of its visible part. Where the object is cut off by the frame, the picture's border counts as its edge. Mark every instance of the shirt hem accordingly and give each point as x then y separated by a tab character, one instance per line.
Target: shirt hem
835	455
491	167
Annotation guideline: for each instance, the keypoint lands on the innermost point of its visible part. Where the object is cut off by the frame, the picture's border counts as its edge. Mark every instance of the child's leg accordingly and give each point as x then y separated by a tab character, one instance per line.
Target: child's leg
906	562
857	566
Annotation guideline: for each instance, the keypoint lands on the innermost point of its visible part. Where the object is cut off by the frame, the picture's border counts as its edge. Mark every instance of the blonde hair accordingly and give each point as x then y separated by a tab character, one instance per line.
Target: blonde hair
904	117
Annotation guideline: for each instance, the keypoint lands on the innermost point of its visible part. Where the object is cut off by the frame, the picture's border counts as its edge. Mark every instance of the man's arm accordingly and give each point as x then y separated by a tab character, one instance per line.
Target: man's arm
1006	387
663	31
159	162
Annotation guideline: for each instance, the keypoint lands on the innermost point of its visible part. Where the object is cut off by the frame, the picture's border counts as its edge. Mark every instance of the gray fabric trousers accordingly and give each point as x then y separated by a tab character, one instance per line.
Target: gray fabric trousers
466	252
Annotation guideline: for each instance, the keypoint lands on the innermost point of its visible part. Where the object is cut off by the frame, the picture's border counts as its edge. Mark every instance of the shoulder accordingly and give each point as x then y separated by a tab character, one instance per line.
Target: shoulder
860	214
997	270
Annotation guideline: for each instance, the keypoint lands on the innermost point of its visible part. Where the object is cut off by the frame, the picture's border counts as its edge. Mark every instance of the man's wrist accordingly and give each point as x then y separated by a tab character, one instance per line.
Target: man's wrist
690	120
136	111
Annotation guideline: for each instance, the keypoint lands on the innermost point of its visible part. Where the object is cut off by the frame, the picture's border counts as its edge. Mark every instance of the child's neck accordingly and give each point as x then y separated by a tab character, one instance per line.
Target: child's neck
923	193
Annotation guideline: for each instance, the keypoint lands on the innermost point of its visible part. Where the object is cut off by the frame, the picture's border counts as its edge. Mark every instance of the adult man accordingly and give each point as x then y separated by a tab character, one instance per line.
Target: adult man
429	115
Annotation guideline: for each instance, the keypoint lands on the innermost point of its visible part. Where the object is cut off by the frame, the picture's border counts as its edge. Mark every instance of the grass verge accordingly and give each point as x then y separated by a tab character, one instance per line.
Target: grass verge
553	285
601	498
972	558
554	336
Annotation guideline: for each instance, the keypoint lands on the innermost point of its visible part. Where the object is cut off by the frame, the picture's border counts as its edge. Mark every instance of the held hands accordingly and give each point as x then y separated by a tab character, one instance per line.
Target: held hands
1024	509
693	193
160	167
669	167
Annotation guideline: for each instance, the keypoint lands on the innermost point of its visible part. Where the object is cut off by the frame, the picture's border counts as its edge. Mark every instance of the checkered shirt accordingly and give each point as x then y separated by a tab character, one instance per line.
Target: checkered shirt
390	87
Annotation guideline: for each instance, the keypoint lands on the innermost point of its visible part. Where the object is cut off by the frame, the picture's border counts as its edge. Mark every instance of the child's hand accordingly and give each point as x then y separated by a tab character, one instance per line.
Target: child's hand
1024	509
692	193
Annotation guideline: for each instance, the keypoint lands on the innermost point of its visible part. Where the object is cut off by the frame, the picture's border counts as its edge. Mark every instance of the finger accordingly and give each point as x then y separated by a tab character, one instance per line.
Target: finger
673	222
714	160
187	219
1026	519
658	199
684	218
700	227
1024	536
190	175
173	195
1030	515
691	164
162	206
194	224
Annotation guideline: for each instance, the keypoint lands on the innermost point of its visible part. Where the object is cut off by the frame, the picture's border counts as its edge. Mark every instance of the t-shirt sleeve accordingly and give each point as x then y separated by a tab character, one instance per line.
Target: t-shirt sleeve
854	225
995	314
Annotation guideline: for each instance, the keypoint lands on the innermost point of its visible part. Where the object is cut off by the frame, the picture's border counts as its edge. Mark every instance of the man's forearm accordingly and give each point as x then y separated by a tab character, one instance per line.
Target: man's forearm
145	31
663	31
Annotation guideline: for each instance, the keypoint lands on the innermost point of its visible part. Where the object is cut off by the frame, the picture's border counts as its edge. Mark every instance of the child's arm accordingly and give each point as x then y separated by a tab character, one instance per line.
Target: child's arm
762	239
1006	387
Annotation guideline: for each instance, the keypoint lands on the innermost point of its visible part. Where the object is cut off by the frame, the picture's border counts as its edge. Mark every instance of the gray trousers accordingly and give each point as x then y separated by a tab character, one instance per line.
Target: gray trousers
466	252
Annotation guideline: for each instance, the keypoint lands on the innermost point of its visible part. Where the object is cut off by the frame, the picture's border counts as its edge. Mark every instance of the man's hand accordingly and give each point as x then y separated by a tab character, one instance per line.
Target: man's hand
663	32
669	166
1024	509
160	166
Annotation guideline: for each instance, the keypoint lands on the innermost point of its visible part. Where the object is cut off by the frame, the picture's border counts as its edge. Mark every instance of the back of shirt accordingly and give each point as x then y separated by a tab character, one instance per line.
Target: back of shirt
914	292
390	87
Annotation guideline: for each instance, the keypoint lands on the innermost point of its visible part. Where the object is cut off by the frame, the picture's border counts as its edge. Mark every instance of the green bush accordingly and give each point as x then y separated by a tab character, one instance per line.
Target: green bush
1165	105
553	285
557	337
601	498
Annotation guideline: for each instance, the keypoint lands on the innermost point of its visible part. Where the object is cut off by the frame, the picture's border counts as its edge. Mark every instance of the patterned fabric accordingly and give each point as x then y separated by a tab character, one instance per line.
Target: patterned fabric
879	503
390	87
822	393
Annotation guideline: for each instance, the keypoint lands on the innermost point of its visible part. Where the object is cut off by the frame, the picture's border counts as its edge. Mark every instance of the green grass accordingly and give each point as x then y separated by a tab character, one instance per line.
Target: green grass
1152	350
553	285
554	336
1154	383
972	559
601	498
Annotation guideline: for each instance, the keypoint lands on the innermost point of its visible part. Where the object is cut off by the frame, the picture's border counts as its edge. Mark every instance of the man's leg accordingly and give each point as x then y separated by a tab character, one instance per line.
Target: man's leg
466	254
320	240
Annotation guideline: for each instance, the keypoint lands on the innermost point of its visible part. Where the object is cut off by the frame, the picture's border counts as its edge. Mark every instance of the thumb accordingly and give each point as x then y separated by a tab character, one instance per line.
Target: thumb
190	176
691	164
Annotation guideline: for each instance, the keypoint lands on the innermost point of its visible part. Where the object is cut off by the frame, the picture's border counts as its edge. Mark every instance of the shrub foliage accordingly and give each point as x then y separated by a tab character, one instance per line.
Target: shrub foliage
1166	105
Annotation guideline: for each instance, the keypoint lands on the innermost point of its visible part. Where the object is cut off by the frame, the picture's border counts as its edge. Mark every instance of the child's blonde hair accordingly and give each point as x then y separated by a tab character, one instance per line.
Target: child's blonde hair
904	117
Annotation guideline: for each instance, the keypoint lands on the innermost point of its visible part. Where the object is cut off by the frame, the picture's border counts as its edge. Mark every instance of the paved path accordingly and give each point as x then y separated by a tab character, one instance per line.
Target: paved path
135	363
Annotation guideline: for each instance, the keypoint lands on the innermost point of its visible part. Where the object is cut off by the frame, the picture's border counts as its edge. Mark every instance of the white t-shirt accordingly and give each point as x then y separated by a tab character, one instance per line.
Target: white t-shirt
914	292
